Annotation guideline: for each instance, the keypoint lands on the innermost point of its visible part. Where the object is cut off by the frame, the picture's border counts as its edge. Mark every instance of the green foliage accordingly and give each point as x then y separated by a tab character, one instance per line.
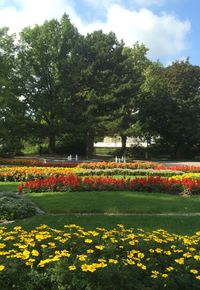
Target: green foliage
48	73
71	144
15	207
170	104
12	109
55	82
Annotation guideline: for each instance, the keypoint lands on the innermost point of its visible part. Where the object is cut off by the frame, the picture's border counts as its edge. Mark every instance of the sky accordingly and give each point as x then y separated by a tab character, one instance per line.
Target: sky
169	28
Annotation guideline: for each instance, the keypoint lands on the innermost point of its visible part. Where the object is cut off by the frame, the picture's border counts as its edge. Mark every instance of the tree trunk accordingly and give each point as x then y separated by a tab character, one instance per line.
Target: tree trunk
179	152
123	137
52	143
89	144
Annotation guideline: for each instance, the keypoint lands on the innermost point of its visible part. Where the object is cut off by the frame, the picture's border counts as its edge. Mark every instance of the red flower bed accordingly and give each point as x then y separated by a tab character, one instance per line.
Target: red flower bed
184	168
77	183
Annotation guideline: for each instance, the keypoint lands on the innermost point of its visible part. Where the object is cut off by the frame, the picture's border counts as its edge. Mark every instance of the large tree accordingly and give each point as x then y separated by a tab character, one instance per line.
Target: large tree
170	107
100	58
48	63
12	109
127	91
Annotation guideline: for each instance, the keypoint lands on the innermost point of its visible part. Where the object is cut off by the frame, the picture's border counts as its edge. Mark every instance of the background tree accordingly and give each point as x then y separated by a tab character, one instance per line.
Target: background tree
48	80
100	56
127	90
12	110
170	106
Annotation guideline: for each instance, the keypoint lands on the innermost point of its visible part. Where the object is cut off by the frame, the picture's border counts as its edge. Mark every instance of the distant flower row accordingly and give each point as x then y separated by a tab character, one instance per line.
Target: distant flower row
89	165
73	182
119	258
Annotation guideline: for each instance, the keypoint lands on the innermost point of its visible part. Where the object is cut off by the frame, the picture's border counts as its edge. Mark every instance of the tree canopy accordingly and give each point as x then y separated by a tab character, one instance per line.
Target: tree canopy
56	84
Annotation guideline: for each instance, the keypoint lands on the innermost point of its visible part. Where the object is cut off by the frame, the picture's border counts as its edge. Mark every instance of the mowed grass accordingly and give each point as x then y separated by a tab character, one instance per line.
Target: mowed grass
114	202
61	209
184	225
9	186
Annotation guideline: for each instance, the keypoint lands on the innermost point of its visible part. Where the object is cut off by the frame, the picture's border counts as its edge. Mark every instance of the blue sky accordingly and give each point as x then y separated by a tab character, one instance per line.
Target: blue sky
169	28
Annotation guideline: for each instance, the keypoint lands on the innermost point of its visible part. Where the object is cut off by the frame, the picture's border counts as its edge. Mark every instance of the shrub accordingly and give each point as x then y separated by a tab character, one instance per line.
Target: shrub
15	207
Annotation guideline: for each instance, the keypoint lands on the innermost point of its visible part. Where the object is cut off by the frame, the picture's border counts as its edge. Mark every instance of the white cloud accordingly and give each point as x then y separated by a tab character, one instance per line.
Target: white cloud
145	3
163	34
102	3
35	12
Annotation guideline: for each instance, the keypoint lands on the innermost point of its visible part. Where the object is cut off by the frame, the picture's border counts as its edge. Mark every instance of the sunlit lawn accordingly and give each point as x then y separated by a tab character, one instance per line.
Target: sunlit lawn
114	202
62	208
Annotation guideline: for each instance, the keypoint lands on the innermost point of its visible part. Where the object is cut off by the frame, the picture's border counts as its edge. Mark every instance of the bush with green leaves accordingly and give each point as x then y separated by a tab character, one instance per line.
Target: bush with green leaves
15	207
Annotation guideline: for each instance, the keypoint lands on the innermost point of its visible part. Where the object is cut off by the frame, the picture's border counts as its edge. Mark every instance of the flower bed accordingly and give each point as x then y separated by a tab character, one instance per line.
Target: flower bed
127	172
37	163
74	182
88	165
26	173
127	165
8	173
119	258
184	168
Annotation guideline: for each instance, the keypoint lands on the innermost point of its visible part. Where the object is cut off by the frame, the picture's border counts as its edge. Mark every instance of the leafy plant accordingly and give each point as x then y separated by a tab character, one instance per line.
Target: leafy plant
15	207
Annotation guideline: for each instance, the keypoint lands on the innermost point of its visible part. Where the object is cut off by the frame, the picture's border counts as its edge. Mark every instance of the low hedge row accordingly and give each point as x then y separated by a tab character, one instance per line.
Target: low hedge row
119	258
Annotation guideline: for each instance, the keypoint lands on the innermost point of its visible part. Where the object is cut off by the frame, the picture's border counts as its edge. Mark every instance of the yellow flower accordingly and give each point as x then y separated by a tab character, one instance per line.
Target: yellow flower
100	247
140	265
90	251
180	261
194	271
168	253
187	255
164	275
197	257
17	228
132	243
114	240
30	262
112	261
158	250
151	251
35	253
52	245
88	268
140	255
72	268
130	262
88	241
2	267
198	277
2	245
169	269
154	274
82	257
25	254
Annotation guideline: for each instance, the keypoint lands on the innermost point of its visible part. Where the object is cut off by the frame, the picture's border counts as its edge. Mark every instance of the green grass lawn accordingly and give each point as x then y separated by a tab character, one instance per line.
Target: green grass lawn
114	202
175	224
61	207
9	186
